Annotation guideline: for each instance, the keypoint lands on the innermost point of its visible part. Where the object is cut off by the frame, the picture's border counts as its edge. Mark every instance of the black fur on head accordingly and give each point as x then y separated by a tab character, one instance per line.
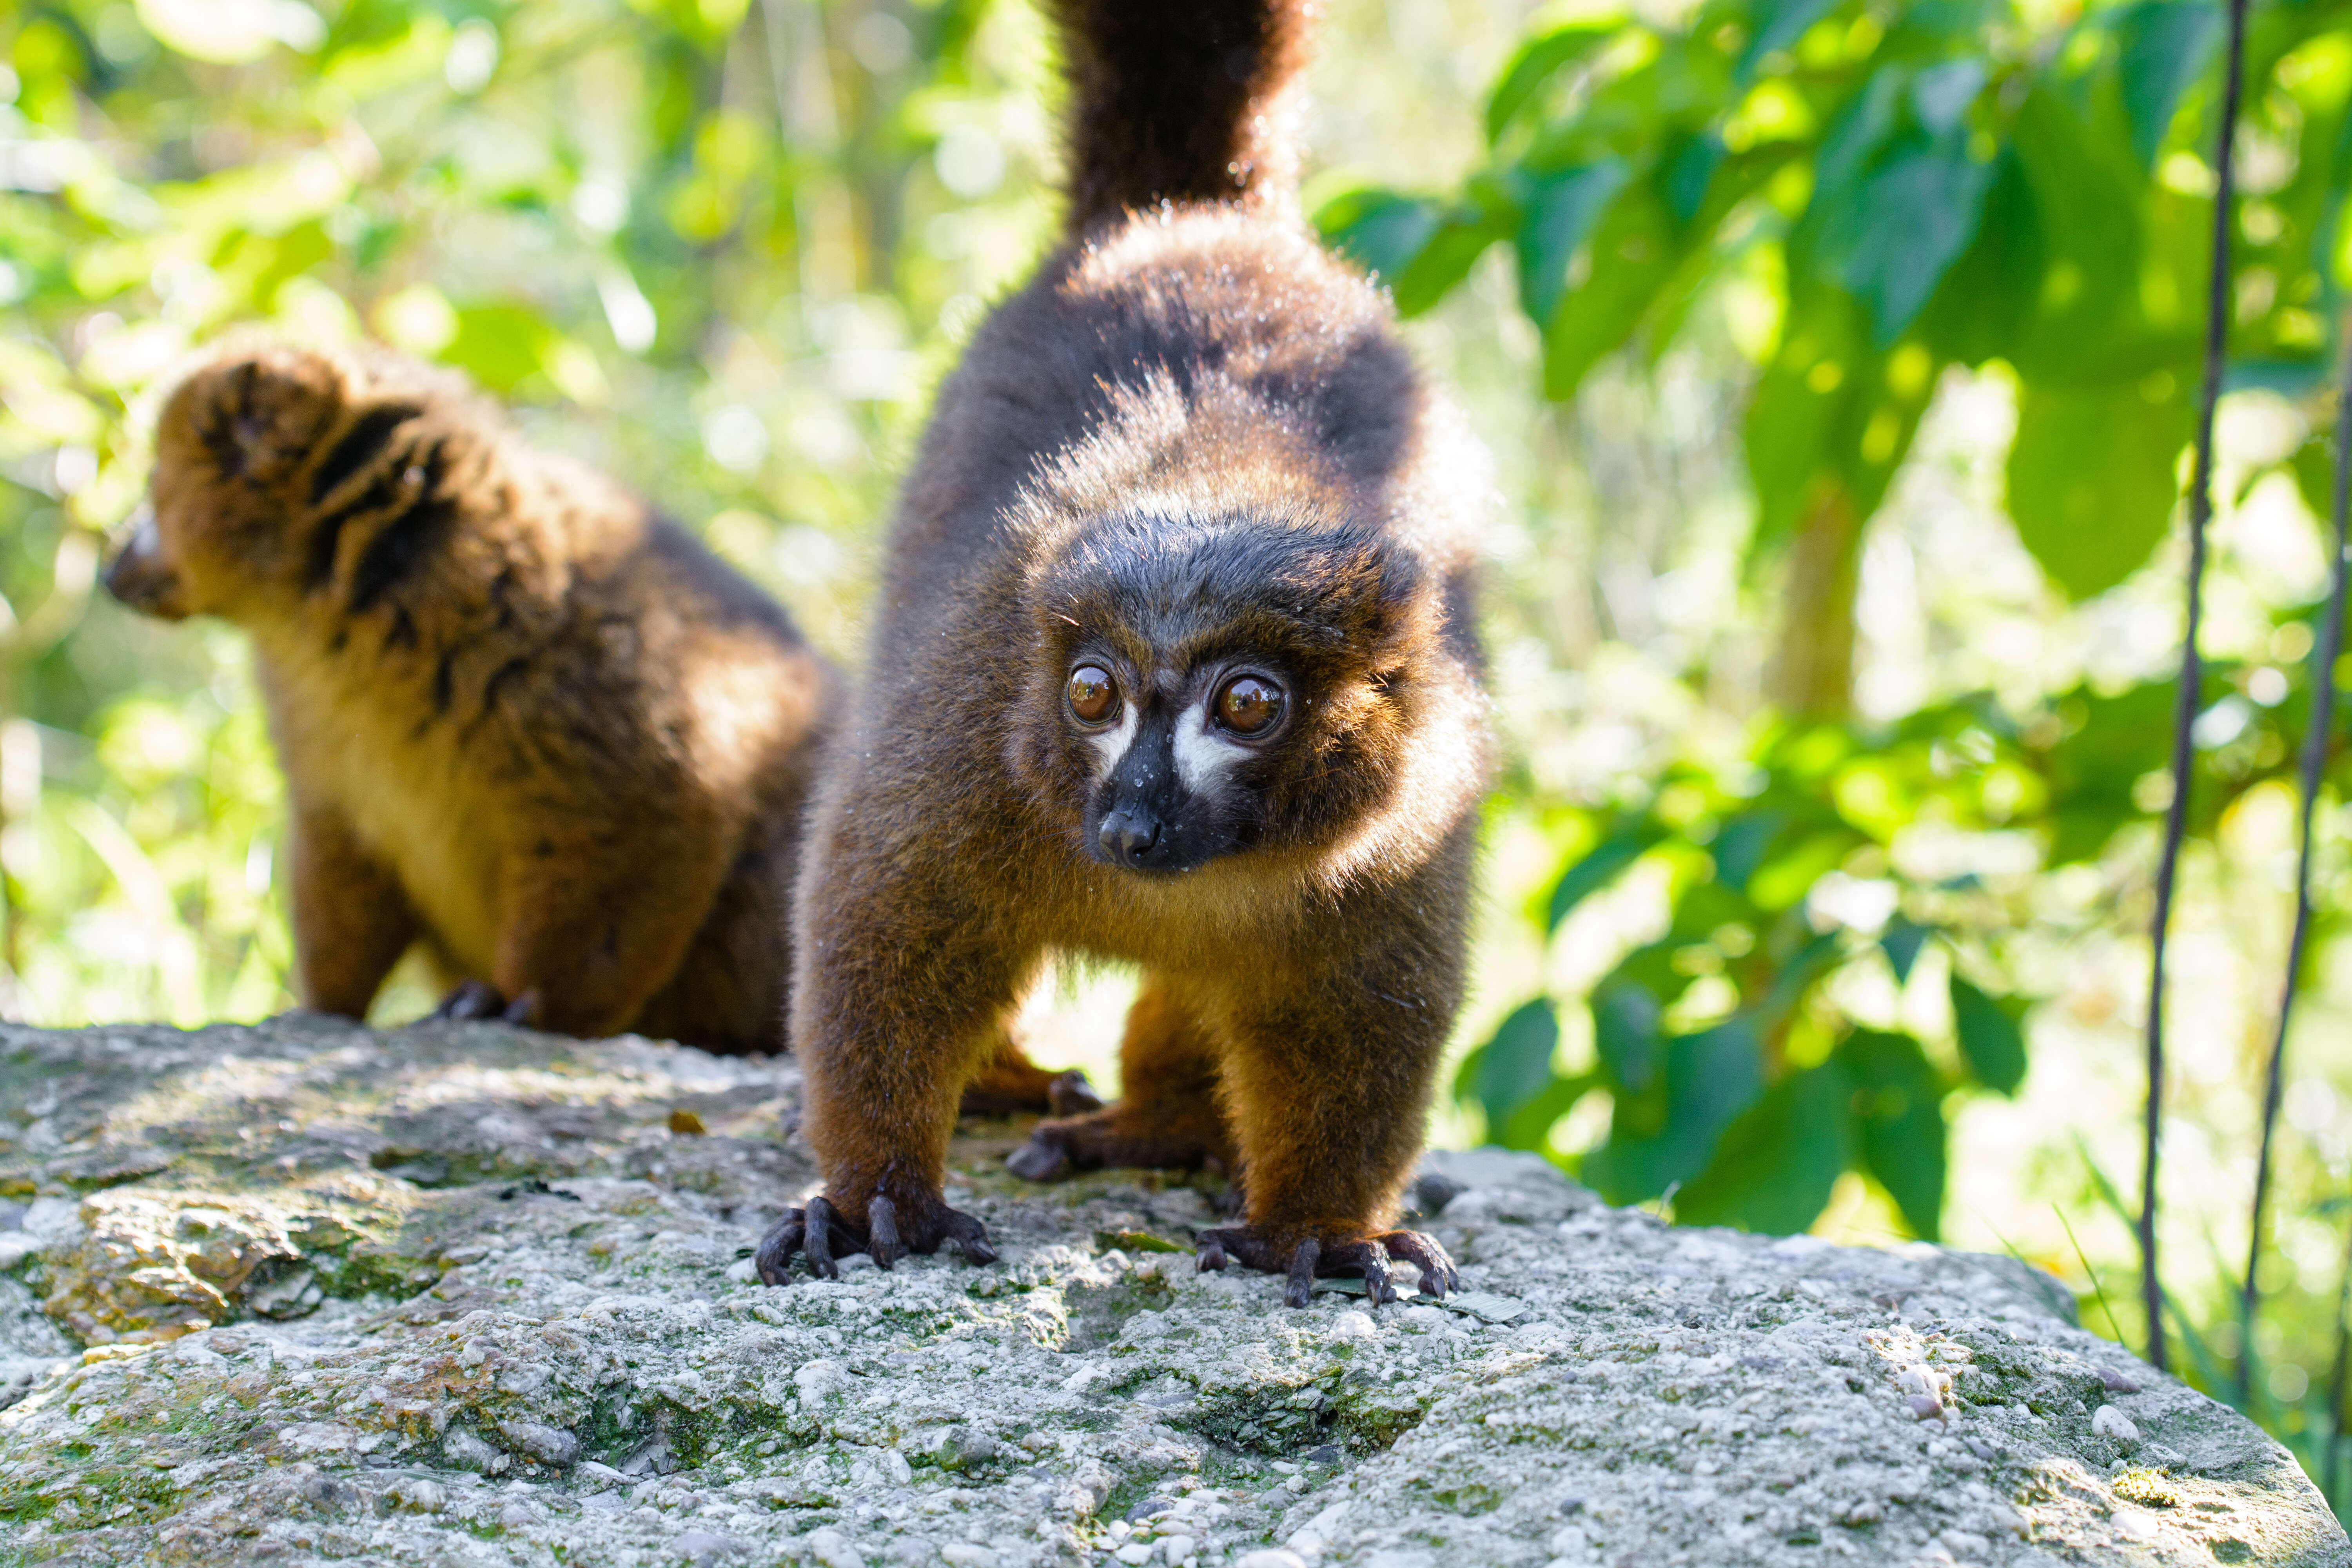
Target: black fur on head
1323	616
284	473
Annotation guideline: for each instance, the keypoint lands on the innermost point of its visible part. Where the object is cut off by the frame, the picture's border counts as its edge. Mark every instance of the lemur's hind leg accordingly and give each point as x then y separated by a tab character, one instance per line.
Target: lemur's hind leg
1010	1084
1168	1118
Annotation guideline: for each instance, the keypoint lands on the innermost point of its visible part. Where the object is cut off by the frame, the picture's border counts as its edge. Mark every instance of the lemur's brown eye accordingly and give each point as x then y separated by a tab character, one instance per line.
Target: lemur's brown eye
1093	695
1248	704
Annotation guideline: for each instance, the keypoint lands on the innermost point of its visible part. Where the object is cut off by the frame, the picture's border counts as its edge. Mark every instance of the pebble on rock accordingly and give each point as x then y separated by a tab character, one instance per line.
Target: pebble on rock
2107	1421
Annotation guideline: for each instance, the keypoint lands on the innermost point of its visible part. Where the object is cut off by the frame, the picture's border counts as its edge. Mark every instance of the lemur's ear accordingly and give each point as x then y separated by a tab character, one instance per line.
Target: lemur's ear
1371	595
257	415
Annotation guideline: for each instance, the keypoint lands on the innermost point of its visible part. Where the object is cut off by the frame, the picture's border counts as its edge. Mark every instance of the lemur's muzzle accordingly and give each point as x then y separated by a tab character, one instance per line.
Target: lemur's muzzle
141	577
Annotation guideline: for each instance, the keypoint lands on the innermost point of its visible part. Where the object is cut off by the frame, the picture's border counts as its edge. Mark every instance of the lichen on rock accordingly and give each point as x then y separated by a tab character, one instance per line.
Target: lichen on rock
464	1293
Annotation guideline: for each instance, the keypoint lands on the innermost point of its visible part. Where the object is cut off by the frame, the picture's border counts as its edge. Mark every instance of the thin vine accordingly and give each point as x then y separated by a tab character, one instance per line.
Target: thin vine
2324	650
2184	718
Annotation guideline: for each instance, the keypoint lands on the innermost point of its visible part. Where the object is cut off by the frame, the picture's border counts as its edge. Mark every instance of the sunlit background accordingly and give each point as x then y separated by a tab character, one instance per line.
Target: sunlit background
724	248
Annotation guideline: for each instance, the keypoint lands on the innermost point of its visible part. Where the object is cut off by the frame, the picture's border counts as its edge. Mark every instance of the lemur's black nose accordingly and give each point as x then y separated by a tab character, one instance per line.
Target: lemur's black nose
1127	836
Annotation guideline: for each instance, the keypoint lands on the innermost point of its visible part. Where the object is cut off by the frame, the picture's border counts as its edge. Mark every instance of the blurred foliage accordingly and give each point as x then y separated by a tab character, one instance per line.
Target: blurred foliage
1894	189
1900	191
1833	864
1880	194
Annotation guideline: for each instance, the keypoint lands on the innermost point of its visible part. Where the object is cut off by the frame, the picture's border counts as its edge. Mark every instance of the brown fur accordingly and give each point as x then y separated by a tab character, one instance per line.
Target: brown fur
524	718
1191	443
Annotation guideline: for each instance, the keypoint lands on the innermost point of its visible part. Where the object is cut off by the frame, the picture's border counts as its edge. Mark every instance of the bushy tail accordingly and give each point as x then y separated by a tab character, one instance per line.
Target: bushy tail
1184	100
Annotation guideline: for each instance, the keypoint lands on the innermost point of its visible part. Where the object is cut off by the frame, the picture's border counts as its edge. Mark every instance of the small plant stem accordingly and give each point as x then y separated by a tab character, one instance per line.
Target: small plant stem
2184	716
2090	1273
2325	648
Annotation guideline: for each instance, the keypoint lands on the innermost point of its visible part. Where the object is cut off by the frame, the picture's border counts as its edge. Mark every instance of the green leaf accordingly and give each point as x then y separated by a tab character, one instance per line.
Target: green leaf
1625	1016
1902	939
1908	221
1598	867
2114	741
1561	209
2313	467
1515	1065
498	345
1988	300
1419	247
2091	477
1942	94
1807	964
1690	172
1656	1141
1530	1125
1990	1038
1635	253
2164	46
2087	198
1826	425
1868	122
1740	844
1538	61
1779	24
1898	1109
1443	262
1380	230
1777	1165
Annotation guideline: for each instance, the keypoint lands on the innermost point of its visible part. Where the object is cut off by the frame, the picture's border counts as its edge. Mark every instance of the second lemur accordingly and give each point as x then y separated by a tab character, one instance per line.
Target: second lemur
528	723
1174	663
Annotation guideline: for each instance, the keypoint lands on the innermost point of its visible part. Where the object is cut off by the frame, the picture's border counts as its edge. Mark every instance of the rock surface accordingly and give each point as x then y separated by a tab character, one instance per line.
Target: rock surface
464	1294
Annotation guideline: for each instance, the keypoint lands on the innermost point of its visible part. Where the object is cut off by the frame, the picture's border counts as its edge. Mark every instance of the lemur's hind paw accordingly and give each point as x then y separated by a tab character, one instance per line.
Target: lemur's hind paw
1305	1259
475	999
821	1235
1041	1159
1424	1252
471	999
1072	1094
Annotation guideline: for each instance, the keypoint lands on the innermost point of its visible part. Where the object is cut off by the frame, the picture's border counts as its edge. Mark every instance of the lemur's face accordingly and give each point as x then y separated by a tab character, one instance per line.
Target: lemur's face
1175	751
230	438
1204	690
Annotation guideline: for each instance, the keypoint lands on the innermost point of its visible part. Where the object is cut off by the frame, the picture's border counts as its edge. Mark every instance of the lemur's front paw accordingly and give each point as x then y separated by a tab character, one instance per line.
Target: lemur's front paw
475	999
820	1233
1305	1258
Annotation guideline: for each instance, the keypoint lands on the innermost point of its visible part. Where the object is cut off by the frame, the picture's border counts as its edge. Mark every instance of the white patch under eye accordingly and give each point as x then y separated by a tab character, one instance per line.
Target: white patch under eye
1203	750
1111	744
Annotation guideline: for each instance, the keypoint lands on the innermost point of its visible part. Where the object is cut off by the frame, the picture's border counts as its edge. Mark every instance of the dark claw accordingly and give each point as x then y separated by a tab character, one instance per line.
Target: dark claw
817	1242
1300	1288
971	1237
1072	1094
470	1000
819	1234
882	1243
1211	1256
1039	1160
774	1257
1438	1274
1378	1287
